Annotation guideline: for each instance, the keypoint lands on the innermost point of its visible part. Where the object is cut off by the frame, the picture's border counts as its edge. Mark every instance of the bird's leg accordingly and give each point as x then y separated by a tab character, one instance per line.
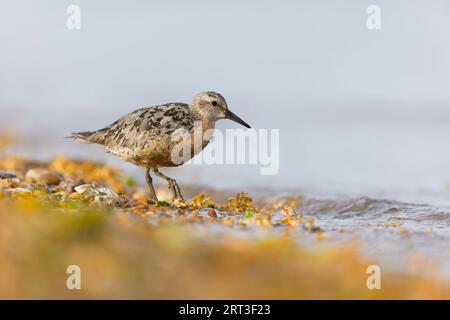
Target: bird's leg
149	180
173	185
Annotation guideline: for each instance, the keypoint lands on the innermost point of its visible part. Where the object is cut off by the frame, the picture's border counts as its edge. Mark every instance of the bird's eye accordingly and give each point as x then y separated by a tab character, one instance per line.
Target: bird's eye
214	103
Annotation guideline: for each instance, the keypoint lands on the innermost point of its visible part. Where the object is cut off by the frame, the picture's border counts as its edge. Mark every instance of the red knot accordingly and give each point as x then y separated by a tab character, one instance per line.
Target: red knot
145	137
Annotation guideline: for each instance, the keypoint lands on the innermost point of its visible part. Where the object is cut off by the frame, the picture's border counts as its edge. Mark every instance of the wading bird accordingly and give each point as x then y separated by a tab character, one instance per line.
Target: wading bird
146	137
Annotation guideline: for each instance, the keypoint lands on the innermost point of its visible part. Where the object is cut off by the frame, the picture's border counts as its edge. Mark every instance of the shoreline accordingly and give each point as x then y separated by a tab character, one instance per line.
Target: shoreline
323	231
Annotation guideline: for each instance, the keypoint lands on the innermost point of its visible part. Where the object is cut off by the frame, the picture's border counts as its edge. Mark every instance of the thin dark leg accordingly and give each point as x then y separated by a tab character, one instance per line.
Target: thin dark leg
173	185
149	180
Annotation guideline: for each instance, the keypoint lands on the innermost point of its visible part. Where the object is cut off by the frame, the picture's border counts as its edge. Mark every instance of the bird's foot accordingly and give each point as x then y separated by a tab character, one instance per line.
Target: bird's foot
173	186
180	203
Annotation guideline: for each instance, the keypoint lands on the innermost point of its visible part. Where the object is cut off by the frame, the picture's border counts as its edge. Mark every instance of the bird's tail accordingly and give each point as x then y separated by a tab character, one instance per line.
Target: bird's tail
89	136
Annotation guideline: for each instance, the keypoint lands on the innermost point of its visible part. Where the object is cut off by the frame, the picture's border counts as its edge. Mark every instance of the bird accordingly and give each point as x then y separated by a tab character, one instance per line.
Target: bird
147	137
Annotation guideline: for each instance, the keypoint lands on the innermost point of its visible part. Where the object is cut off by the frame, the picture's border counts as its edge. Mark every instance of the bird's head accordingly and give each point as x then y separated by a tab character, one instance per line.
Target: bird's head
213	106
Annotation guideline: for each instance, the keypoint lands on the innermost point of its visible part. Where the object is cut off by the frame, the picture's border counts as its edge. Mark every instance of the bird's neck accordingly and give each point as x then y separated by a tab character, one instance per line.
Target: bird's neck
207	121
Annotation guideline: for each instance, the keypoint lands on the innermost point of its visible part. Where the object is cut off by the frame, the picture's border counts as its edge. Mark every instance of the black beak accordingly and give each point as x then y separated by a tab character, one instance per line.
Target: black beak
230	115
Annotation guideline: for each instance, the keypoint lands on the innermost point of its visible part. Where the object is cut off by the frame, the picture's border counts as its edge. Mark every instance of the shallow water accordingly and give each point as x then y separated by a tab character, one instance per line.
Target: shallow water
392	233
398	236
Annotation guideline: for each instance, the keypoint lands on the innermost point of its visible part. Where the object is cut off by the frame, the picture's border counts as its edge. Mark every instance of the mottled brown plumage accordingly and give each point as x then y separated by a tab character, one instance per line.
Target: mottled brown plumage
147	136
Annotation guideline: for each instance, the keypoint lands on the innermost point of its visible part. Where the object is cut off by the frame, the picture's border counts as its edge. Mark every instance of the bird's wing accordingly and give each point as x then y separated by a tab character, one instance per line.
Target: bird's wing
141	126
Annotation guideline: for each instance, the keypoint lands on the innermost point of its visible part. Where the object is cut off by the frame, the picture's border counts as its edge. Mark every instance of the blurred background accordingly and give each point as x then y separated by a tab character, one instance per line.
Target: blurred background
358	110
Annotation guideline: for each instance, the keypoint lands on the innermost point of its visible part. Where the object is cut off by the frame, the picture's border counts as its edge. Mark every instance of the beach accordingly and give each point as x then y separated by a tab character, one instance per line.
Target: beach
214	246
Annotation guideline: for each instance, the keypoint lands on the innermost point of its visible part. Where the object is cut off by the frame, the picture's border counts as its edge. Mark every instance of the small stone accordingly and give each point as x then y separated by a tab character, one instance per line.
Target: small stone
7	175
9	183
29	186
84	188
100	195
120	201
70	185
15	190
44	176
22	190
212	213
4	183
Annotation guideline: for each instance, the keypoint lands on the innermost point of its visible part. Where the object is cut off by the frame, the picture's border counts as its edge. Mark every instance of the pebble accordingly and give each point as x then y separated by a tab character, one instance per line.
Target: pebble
41	175
101	195
9	183
7	175
15	190
70	185
211	212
